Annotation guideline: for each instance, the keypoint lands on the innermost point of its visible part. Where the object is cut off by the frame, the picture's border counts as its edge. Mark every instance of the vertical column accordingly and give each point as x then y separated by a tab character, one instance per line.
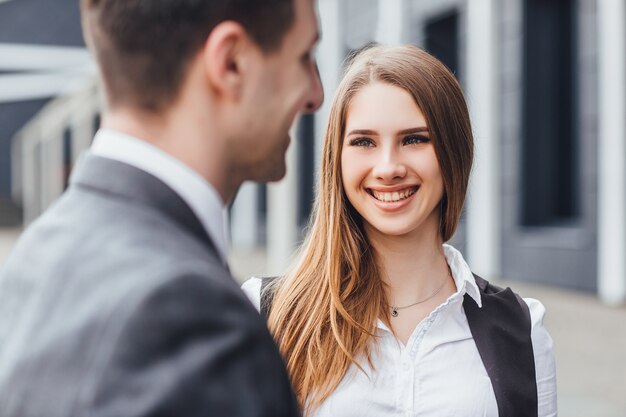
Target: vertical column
390	26
51	168
82	133
30	179
612	151
244	221
17	161
330	56
282	208
82	122
483	205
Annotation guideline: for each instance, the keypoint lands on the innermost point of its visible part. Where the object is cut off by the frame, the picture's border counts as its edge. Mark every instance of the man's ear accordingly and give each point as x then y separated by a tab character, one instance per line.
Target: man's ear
225	57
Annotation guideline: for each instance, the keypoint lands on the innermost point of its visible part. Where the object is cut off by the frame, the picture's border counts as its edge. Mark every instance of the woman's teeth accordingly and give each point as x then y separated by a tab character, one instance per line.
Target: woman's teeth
395	196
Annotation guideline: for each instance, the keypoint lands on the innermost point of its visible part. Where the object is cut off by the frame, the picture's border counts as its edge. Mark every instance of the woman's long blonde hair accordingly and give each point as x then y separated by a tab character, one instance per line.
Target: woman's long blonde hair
324	311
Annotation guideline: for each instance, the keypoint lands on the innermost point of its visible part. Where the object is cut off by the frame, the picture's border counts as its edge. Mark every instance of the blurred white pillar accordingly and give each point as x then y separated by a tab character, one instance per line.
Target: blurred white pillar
282	221
612	151
390	26
29	178
82	126
17	162
483	205
330	56
243	220
51	168
82	122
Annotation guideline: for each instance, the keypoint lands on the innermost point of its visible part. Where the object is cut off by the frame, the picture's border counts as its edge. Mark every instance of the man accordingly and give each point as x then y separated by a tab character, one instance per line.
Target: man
121	301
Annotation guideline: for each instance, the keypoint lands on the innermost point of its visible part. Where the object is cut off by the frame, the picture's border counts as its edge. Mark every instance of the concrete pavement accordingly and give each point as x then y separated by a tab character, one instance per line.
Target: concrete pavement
590	349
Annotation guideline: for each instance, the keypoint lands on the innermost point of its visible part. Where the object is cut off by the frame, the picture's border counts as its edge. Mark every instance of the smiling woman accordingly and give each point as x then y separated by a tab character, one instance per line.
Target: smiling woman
390	172
379	317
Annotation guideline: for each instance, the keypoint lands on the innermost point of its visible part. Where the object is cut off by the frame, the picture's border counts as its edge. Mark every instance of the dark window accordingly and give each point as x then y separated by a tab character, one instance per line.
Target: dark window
549	180
306	167
37	203
67	157
96	122
262	213
442	39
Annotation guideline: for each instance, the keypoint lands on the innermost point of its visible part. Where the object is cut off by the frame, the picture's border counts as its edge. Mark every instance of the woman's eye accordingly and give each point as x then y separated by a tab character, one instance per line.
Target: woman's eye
410	140
361	142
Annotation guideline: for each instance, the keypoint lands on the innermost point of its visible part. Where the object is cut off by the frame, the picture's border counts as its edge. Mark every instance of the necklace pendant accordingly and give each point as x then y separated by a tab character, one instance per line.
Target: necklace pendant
394	312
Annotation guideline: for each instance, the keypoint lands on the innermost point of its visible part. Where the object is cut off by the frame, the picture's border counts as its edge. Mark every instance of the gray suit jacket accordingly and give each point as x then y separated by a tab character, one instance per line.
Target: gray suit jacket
115	303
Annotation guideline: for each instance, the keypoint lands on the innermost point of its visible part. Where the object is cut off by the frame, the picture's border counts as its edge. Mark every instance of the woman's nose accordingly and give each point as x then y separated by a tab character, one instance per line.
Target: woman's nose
389	167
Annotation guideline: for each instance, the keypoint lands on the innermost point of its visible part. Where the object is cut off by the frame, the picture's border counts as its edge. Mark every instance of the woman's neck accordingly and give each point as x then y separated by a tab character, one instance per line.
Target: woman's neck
413	265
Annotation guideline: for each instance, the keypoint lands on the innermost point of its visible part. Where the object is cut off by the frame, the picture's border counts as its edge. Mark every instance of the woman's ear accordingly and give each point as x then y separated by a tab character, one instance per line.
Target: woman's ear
224	58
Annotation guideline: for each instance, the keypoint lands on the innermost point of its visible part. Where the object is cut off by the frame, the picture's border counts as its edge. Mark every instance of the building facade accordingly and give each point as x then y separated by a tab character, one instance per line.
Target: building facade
546	84
42	56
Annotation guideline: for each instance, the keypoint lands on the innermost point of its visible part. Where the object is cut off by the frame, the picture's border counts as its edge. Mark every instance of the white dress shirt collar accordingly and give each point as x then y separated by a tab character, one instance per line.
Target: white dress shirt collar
198	193
462	276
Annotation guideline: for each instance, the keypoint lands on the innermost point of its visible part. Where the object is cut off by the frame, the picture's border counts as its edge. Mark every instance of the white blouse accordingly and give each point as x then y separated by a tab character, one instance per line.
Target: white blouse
439	372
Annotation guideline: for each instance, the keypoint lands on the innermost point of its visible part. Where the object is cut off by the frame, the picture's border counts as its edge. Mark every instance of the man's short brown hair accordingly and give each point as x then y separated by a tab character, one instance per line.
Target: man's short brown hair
143	46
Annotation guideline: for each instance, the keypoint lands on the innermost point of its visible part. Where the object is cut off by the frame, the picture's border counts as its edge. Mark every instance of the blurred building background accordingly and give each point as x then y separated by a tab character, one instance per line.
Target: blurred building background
545	81
546	85
43	67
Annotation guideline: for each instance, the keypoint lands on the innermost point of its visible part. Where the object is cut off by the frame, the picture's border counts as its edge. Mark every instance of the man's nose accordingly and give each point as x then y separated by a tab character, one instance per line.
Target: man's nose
316	93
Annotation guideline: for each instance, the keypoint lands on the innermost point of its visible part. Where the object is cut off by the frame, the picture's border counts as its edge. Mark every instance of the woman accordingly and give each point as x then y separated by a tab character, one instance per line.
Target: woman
379	317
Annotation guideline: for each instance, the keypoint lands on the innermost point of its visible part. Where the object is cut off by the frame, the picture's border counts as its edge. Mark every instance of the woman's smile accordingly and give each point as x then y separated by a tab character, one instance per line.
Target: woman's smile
393	201
393	196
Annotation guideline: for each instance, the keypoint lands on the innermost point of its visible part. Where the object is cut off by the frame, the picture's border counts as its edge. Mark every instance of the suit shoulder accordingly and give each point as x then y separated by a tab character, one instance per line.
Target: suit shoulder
199	346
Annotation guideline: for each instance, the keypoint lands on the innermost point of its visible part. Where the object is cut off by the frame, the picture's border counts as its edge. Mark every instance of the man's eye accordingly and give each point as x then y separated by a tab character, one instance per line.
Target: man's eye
410	140
309	56
365	142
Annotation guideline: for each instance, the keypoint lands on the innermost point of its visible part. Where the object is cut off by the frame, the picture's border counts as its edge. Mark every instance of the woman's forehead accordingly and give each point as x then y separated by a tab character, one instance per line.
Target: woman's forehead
384	108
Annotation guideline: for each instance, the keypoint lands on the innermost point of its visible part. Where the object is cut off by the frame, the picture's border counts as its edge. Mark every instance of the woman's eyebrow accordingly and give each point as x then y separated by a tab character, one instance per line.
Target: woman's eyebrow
370	132
414	130
362	132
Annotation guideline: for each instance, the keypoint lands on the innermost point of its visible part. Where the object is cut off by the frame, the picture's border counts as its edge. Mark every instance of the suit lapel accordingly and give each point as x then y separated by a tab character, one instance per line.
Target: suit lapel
125	181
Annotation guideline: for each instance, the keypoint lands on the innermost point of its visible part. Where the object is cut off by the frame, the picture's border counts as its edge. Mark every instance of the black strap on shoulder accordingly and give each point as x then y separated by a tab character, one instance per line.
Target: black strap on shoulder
501	331
267	295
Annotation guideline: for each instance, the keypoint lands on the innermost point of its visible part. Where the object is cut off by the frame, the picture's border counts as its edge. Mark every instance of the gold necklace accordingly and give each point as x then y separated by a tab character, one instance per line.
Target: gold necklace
394	309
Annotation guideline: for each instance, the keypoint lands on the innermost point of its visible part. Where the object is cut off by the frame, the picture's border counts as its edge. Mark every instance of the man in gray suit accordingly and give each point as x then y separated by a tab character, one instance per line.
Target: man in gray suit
120	300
